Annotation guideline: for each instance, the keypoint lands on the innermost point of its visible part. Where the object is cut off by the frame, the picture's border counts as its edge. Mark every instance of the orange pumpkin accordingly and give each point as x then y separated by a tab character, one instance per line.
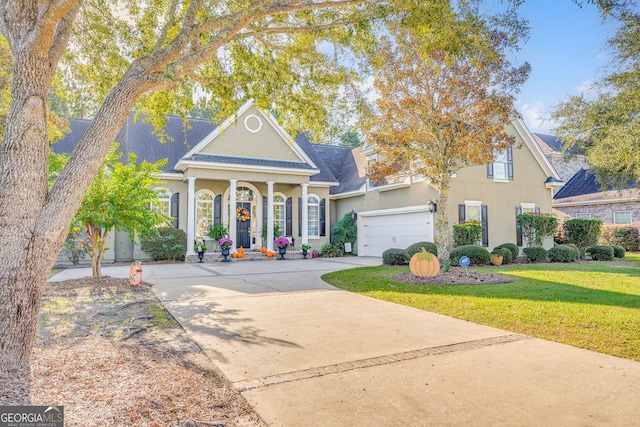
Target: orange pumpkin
234	255
424	264
264	250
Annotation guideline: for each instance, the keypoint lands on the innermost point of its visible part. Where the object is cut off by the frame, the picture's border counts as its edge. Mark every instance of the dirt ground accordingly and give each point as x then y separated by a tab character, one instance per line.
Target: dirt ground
455	276
113	356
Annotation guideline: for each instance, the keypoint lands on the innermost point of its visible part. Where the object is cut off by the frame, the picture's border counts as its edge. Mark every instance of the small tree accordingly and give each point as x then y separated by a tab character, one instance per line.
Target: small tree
536	227
119	198
345	230
583	232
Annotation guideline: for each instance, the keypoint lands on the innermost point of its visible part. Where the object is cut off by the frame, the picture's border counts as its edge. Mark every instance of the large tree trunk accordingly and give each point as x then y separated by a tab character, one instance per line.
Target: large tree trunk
443	236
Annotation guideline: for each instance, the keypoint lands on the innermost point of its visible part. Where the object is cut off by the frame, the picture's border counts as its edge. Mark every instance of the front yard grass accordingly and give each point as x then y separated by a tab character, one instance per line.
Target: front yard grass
594	305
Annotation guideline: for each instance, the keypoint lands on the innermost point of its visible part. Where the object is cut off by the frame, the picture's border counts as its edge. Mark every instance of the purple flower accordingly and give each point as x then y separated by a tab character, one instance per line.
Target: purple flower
281	242
225	243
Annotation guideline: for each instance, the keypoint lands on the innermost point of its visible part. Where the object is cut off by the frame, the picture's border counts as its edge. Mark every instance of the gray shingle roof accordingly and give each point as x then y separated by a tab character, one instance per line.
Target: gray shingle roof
249	161
551	141
581	183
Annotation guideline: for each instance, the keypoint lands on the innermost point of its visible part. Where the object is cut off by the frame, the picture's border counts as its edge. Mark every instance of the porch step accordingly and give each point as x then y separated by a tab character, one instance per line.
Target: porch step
248	256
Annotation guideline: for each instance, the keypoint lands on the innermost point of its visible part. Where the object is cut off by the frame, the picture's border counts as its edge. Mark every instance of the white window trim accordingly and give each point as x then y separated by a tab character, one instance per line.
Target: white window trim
531	206
626	223
168	194
310	195
583	214
474	203
195	210
283	229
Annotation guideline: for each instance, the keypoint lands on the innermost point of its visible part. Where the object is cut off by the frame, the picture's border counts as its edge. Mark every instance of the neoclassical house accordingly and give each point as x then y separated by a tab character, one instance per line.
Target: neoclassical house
250	175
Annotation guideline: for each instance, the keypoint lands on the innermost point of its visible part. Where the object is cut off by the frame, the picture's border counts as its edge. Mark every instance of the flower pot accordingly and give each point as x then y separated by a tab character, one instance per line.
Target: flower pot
304	253
225	254
200	255
496	260
282	251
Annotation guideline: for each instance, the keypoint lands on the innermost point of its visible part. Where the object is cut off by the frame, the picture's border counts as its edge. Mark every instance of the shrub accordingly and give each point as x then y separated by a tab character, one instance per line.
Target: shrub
535	253
582	232
513	248
345	230
417	247
536	227
332	251
618	251
467	233
600	253
563	253
167	243
395	256
507	255
626	236
477	254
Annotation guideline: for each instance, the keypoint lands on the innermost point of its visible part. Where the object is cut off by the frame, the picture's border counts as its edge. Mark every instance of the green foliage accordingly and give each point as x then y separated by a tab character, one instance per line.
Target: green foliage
73	247
166	243
535	253
417	247
477	254
467	233
600	253
119	198
218	231
513	248
563	253
626	236
582	232
331	251
276	232
618	251
536	227
395	256
507	255
345	230
605	126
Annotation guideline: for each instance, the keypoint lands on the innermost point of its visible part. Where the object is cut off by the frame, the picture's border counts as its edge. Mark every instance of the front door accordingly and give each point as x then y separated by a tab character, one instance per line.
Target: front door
243	225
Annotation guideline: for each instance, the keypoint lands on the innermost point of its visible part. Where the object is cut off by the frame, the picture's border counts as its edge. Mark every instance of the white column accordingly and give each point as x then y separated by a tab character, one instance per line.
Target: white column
232	212
305	214
191	214
270	235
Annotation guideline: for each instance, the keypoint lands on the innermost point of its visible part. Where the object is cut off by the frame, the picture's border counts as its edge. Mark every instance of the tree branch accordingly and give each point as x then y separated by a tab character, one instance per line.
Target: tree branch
62	35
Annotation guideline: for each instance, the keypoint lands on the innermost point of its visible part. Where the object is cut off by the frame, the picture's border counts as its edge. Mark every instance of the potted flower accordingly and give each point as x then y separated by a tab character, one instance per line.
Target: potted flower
218	231
305	248
201	248
281	243
496	257
225	244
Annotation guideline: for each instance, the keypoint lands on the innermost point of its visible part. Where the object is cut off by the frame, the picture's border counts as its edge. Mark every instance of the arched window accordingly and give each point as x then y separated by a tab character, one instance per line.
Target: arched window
204	213
279	214
163	206
313	215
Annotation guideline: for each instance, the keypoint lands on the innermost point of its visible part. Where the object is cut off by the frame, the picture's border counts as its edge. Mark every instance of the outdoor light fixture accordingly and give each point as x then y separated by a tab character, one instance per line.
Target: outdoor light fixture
432	206
354	215
293	242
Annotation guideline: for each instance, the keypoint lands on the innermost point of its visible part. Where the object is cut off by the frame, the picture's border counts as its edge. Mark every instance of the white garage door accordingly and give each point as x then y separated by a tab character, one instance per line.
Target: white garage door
381	231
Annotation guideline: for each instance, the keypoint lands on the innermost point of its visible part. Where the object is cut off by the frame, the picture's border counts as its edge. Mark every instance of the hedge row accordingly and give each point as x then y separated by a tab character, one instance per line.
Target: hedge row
396	256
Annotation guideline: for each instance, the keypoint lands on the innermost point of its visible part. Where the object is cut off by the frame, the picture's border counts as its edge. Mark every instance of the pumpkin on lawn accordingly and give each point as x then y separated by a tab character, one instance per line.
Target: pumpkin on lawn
424	264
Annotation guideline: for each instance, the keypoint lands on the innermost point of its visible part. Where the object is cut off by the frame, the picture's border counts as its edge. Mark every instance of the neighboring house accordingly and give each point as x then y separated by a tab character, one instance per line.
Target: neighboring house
583	198
249	164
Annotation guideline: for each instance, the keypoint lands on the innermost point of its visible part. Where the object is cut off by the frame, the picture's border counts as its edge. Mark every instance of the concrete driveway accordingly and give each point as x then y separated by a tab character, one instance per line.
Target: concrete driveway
307	354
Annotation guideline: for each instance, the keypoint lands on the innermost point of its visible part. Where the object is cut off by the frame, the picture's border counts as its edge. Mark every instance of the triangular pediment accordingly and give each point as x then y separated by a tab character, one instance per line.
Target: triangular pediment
252	135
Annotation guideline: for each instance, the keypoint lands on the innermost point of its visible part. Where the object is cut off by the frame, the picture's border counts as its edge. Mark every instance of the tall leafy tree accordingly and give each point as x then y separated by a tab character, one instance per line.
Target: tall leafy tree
444	103
118	199
152	55
607	126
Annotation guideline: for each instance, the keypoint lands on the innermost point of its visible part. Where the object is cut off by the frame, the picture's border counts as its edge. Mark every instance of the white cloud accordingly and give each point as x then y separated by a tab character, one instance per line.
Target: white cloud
586	88
536	116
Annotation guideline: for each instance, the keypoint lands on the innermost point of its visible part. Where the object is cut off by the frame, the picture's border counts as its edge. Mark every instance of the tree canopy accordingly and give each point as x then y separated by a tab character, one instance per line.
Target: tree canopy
606	126
443	105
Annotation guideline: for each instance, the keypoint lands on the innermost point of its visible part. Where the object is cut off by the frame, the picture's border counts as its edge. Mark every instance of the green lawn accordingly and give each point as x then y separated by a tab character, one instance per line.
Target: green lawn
594	305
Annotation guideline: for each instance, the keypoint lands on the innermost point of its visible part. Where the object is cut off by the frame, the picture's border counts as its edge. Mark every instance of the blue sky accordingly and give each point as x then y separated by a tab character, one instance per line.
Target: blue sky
566	49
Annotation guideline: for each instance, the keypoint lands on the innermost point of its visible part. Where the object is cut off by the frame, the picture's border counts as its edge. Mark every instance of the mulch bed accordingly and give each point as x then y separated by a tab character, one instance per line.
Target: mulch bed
455	276
112	356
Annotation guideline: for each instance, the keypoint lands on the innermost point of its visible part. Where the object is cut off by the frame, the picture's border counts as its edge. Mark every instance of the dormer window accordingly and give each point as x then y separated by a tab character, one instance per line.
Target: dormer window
501	170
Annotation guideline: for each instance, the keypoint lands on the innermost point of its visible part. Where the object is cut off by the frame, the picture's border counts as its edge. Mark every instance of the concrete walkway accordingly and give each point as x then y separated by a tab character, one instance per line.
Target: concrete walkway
306	354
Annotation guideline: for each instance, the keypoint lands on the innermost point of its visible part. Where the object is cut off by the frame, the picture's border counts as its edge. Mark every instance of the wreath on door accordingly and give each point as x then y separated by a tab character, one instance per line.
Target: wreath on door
243	214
